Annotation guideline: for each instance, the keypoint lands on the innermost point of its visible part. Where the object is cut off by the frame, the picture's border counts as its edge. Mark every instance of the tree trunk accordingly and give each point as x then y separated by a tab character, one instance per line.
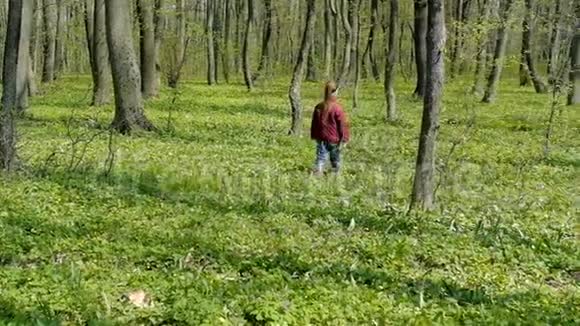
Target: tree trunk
129	114
457	37
498	56
102	71
217	36
89	12
50	18
211	76
311	74
294	92
23	69
328	58
150	82
266	38
10	87
420	37
369	50
246	47
574	96
481	58
356	55
348	35
36	42
159	21
539	85
555	41
227	36
391	53
423	186
179	53
61	21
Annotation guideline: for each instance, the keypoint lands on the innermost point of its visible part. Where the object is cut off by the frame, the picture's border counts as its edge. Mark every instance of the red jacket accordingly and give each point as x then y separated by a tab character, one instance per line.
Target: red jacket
330	125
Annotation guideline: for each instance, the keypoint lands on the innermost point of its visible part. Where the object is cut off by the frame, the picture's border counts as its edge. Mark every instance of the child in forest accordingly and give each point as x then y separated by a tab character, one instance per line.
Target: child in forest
329	129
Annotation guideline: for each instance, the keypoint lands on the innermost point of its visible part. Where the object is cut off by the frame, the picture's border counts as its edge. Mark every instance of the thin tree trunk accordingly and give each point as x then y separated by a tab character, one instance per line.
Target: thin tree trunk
10	87
420	37
89	12
150	82
482	54
423	186
391	53
356	56
59	55
498	57
211	76
36	42
311	73
328	59
22	78
129	114
348	35
457	37
217	36
266	39
246	47
295	85
227	35
160	22
555	41
102	70
539	84
574	96
50	18
369	50
179	53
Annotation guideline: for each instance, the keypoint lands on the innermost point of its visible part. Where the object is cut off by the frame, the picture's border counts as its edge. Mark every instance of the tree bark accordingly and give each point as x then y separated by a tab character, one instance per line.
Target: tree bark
266	39
179	52
369	50
420	39
328	58
211	76
356	55
89	12
246	47
482	54
129	114
159	21
294	92
59	55
102	70
217	36
311	73
457	37
498	56
574	96
36	42
555	42
150	82
10	87
391	53
348	35
227	36
50	18
423	186
23	69
539	84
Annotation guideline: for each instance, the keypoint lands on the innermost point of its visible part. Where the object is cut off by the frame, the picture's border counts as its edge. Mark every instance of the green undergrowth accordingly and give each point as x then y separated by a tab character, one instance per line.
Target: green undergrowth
216	217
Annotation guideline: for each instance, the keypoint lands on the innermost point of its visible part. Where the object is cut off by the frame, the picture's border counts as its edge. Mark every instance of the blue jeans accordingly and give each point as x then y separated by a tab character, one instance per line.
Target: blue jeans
323	151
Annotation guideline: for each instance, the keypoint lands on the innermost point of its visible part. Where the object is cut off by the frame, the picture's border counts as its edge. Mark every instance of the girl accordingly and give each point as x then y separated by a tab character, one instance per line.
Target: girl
329	129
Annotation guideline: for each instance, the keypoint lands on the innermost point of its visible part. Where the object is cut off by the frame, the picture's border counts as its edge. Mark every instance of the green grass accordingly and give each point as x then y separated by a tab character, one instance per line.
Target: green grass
217	218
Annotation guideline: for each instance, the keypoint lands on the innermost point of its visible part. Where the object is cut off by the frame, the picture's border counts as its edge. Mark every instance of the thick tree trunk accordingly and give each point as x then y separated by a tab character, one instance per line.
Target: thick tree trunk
160	22
246	47
391	53
50	17
23	69
150	82
369	50
61	21
539	84
348	35
574	96
179	52
420	37
102	71
35	46
423	186
217	36
266	39
10	87
129	114
498	56
211	75
294	92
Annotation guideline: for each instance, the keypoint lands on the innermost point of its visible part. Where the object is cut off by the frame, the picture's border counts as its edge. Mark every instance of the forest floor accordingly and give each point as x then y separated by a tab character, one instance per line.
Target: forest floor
216	219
